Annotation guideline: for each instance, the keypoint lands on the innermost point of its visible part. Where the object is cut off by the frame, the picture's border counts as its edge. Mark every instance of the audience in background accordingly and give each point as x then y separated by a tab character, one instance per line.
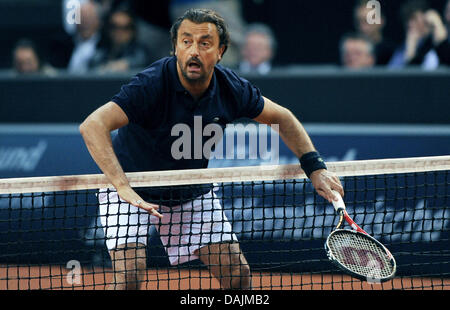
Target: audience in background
105	6
111	38
86	37
120	49
383	48
27	60
418	46
357	52
258	50
440	33
447	15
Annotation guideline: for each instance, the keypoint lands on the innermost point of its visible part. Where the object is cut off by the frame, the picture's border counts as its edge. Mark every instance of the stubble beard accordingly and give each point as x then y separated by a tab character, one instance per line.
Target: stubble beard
197	79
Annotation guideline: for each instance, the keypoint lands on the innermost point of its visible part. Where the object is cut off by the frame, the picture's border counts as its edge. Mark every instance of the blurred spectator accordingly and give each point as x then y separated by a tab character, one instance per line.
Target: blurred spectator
27	60
70	28
357	52
447	15
440	33
85	38
153	24
258	49
105	6
418	46
120	50
231	11
103	9
384	48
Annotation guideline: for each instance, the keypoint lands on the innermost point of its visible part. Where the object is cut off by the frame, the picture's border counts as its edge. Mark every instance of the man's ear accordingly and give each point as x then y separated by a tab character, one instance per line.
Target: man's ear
221	51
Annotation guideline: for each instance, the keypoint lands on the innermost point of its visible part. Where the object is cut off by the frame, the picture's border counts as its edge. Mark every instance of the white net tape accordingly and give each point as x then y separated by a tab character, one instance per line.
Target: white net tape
223	175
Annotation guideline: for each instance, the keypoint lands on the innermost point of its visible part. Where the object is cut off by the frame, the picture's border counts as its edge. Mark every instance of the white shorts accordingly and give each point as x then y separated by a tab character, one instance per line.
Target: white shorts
183	229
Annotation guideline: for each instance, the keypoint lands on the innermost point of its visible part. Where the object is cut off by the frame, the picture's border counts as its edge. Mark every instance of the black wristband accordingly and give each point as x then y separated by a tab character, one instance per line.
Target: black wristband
311	162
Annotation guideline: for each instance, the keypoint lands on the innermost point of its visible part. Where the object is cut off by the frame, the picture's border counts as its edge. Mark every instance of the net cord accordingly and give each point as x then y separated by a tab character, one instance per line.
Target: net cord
222	175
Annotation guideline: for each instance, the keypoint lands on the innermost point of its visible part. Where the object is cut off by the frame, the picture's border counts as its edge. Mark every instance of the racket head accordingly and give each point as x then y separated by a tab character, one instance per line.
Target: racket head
360	256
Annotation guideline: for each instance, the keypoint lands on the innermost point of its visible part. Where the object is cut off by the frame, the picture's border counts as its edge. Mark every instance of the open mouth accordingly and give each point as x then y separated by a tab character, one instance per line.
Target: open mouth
194	66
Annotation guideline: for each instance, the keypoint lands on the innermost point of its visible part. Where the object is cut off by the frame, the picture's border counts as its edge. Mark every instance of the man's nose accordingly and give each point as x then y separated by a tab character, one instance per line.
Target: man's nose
194	50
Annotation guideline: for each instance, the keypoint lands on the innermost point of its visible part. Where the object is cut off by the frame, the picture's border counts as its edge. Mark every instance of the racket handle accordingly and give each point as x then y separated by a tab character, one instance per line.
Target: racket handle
338	205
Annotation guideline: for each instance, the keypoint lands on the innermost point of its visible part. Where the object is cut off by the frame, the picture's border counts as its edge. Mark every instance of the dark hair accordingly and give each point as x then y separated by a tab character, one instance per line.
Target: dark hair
126	11
357	37
200	16
105	41
411	7
25	43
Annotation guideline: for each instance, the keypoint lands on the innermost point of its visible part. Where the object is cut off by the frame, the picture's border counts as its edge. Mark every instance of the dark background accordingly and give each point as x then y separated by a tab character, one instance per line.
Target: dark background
409	96
308	32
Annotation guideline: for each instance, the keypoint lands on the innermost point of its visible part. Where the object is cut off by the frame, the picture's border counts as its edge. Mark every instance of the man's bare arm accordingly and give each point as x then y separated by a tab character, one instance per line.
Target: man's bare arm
291	130
96	132
297	139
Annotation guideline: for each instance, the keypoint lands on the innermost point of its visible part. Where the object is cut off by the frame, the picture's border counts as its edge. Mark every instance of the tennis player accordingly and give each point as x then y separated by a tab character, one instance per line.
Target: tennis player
172	91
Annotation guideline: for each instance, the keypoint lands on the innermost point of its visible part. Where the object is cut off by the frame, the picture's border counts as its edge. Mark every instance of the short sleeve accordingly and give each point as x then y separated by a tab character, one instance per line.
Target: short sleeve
137	100
252	102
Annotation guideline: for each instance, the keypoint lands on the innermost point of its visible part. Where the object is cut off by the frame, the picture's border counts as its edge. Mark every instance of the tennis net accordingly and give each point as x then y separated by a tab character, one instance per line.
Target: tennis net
52	232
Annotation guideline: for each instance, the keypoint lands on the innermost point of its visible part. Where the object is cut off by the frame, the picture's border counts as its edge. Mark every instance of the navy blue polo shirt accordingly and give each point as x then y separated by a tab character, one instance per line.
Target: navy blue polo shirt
155	101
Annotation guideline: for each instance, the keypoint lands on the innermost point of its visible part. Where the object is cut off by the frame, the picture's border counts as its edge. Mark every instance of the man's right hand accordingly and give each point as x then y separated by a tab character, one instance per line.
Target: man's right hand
130	196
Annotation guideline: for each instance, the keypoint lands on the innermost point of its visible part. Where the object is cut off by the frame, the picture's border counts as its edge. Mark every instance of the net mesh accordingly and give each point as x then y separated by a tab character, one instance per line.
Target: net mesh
55	232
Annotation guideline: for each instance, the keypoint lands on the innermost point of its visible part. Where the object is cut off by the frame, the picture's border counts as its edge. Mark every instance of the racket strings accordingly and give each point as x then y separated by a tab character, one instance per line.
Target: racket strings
360	255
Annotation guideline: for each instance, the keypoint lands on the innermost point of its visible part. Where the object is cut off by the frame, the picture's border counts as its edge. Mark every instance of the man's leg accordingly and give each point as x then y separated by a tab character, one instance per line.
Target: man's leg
126	228
228	264
129	265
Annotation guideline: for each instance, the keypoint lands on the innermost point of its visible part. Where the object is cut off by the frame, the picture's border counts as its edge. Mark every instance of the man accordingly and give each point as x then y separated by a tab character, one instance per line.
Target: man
357	52
172	91
258	50
439	34
86	38
26	59
417	50
383	48
121	50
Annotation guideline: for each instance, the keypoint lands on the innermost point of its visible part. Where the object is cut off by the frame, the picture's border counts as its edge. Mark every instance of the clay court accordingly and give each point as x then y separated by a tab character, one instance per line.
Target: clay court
58	277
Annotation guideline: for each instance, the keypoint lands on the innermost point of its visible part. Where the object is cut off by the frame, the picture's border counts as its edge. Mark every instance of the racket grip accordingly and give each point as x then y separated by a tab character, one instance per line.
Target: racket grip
338	205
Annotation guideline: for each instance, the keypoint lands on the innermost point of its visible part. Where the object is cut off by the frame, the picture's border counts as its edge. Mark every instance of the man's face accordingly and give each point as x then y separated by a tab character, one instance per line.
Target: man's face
90	21
356	54
121	29
198	50
257	49
26	61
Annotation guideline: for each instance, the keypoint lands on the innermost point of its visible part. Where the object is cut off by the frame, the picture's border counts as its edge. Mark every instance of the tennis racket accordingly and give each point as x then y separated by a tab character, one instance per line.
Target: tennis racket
356	252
